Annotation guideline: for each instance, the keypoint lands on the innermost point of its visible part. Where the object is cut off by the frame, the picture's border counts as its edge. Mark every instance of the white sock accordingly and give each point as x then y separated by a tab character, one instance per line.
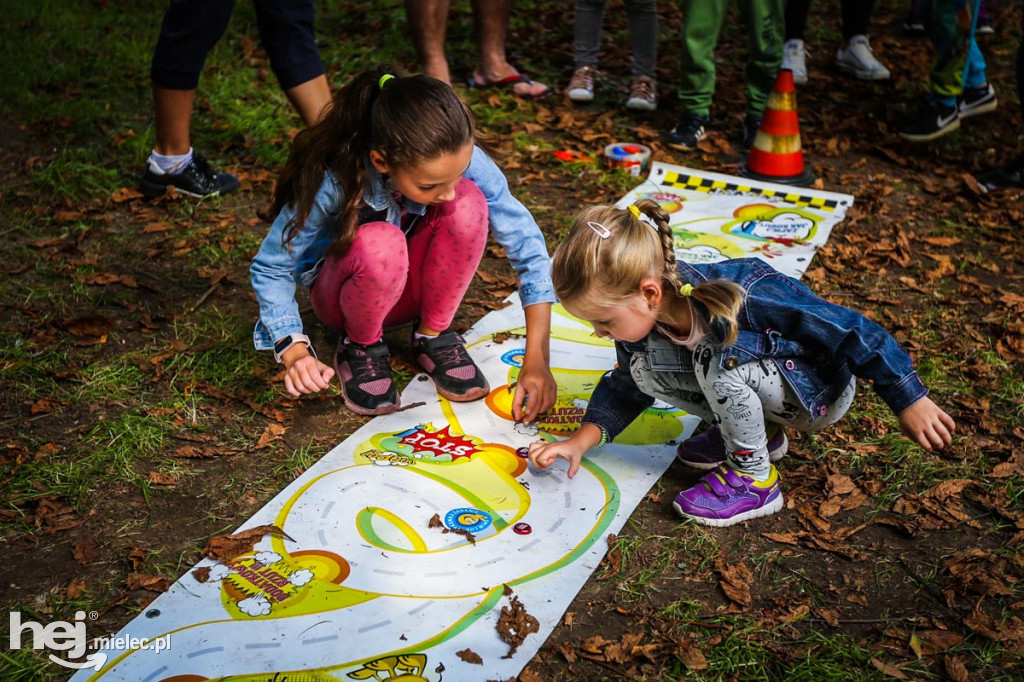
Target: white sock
169	164
417	335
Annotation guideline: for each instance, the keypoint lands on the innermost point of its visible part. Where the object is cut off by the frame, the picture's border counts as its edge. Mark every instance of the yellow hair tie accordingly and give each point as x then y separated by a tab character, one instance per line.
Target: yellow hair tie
686	289
384	79
635	210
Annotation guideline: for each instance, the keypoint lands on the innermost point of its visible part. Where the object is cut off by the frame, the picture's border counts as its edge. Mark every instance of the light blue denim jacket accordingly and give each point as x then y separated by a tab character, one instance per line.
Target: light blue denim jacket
277	268
816	345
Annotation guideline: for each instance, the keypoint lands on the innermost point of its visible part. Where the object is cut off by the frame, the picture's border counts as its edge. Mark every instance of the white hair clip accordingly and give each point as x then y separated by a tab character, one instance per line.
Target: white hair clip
602	231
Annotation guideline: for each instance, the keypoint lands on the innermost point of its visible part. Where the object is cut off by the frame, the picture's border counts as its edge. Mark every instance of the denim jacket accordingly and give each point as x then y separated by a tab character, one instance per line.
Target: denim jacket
277	268
817	346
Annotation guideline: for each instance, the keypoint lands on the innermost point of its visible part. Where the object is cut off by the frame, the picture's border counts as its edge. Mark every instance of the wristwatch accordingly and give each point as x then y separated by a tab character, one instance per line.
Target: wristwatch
287	342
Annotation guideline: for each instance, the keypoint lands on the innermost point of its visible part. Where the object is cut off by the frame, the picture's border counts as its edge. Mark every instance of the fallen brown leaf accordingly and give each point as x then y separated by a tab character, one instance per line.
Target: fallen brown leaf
86	549
75	589
735	580
227	547
141	581
514	624
956	669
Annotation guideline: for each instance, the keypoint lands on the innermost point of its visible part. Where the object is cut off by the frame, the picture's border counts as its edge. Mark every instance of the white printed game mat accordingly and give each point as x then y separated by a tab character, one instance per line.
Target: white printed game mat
423	548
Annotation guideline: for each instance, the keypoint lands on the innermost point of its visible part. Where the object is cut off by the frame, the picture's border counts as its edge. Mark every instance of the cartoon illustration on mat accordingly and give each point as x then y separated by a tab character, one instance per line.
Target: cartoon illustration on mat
765	222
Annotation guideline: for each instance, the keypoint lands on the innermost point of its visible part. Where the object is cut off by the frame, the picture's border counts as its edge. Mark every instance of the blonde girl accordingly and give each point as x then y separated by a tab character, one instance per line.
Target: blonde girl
736	343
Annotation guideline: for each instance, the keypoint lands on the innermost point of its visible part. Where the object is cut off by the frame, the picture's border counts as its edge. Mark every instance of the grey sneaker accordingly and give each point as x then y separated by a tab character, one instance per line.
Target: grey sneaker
859	61
643	94
581	86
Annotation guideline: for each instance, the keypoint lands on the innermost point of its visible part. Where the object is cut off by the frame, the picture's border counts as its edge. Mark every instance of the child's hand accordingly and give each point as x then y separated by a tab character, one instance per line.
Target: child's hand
926	423
542	455
305	373
538	384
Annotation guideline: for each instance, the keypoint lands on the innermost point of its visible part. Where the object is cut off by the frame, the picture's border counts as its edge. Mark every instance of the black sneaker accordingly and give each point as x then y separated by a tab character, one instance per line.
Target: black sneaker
932	120
976	101
750	127
197	179
365	376
1004	177
688	132
447	361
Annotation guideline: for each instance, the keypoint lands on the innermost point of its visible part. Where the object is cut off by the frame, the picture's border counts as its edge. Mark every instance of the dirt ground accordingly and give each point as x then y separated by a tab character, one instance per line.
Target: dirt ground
896	562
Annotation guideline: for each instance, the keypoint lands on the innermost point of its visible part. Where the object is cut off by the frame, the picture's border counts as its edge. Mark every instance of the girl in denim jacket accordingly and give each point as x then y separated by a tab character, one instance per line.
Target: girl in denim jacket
383	211
736	343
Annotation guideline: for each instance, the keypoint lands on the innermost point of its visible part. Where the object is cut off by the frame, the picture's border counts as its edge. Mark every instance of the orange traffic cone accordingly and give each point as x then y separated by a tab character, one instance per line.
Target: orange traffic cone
776	155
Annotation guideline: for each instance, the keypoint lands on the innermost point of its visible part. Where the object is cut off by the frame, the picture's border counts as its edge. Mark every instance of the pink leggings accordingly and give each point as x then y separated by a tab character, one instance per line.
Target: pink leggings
386	279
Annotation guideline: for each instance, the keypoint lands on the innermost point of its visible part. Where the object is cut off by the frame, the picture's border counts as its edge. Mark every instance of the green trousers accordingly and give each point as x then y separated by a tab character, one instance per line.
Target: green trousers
765	24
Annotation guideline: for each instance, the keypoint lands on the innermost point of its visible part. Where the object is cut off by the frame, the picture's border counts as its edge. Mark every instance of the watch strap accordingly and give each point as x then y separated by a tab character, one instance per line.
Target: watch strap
287	342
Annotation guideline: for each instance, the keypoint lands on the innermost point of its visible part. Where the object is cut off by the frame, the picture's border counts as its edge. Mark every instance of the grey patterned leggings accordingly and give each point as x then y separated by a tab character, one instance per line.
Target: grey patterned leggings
741	401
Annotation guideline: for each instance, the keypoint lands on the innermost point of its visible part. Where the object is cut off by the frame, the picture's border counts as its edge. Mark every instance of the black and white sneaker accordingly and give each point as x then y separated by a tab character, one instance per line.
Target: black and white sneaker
932	120
197	179
977	101
690	130
1010	176
365	376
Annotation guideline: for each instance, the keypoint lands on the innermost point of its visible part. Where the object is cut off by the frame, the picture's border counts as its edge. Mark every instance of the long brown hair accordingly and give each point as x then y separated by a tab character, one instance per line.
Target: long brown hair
609	251
408	119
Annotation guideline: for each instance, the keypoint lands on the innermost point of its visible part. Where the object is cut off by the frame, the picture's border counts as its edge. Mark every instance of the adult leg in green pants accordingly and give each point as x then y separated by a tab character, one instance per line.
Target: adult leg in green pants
702	22
958	87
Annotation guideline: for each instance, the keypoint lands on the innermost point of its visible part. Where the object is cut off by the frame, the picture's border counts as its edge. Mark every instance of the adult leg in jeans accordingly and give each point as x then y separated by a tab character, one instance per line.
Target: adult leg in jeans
643	36
588	19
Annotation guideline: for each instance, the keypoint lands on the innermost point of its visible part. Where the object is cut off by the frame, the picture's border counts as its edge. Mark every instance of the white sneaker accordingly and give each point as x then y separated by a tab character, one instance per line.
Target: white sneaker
859	61
794	58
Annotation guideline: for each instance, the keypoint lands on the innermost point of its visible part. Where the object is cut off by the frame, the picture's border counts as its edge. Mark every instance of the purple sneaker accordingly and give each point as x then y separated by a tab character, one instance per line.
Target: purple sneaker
707	451
447	361
365	376
725	497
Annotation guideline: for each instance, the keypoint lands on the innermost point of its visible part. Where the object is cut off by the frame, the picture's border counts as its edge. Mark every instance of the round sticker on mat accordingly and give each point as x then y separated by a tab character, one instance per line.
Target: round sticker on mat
514	357
467	518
